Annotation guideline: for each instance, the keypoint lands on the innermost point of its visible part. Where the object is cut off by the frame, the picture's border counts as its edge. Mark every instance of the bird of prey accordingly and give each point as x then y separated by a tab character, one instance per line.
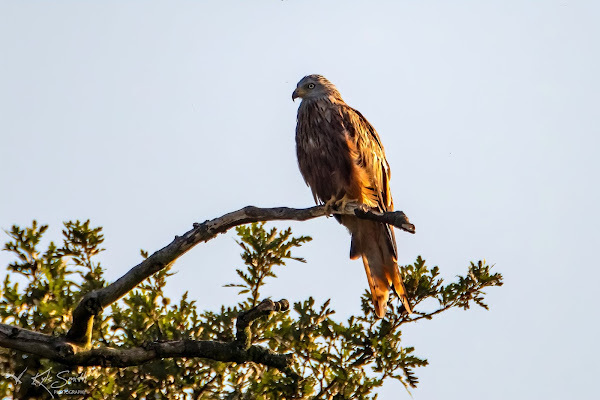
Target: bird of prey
341	158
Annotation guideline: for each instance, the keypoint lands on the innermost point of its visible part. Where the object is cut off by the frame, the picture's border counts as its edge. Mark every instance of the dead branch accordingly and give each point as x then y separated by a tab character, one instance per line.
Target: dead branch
94	302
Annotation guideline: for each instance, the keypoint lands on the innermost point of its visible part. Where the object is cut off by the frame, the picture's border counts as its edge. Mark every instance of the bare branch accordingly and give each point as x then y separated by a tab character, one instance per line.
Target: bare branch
94	302
40	344
244	320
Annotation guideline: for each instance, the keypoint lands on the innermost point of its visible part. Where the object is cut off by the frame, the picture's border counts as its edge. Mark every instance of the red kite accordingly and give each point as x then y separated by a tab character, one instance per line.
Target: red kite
342	159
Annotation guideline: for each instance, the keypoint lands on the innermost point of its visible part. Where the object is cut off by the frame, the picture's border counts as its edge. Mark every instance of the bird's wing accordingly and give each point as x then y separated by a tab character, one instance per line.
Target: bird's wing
374	171
369	156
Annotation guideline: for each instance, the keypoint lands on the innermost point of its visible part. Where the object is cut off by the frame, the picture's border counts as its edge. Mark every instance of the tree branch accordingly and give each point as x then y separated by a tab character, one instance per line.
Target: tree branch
244	320
94	302
239	350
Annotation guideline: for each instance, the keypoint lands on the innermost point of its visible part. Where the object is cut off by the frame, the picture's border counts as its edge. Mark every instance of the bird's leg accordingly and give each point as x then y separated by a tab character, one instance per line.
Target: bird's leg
329	206
335	204
340	205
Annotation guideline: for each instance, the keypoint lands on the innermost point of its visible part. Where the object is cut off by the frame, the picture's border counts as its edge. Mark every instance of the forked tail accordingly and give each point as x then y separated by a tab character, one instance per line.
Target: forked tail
375	242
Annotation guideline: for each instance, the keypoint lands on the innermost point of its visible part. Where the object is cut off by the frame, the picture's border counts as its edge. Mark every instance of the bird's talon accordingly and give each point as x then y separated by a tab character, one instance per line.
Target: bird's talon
341	204
329	207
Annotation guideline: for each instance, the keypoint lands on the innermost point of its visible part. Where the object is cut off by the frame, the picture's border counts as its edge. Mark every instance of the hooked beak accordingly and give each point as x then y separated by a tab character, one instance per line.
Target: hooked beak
295	95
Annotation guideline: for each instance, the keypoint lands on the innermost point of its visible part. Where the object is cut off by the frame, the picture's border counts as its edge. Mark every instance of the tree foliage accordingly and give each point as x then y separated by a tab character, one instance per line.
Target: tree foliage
334	359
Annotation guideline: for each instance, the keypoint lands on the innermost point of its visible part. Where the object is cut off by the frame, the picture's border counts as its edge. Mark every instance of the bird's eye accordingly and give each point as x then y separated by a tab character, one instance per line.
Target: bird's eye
311	85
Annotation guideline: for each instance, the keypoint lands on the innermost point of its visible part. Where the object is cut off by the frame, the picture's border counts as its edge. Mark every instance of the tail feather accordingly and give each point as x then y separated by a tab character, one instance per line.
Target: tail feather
400	290
380	289
376	245
354	250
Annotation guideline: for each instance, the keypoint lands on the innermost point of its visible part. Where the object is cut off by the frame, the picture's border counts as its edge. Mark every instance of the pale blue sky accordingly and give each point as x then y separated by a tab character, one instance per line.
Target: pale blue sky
147	116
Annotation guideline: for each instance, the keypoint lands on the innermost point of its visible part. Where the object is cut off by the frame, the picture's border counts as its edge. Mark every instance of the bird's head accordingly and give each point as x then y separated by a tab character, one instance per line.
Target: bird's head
315	87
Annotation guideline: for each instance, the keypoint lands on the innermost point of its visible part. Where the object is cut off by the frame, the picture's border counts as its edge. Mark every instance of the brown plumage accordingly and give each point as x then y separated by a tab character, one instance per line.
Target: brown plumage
341	158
